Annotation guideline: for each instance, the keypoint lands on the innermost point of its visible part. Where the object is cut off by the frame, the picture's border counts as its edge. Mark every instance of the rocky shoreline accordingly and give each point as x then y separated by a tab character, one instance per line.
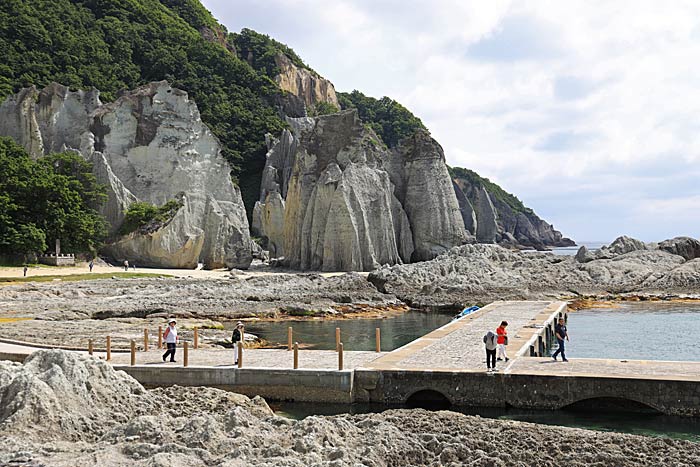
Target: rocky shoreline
91	414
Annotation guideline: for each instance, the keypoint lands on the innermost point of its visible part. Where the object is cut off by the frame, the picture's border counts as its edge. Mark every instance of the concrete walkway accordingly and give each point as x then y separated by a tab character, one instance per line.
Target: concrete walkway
254	358
458	346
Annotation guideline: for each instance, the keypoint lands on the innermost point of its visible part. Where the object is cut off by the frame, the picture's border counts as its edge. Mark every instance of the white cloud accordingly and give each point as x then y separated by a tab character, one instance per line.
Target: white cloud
586	110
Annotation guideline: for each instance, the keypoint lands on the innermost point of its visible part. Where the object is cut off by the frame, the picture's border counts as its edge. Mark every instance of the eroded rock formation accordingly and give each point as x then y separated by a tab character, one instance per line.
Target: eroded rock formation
334	198
305	84
148	145
496	221
490	272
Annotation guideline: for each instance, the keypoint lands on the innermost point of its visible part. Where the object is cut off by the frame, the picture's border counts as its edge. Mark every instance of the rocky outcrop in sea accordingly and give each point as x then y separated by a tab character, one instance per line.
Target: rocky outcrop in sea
68	410
491	219
149	145
334	198
482	273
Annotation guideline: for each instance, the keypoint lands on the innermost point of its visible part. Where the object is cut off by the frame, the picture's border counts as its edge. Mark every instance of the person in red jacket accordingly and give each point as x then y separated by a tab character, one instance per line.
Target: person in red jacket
502	341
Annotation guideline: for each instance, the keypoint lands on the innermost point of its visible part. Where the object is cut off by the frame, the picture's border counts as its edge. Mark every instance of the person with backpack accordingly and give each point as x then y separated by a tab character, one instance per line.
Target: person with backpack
170	338
490	344
561	333
237	337
502	341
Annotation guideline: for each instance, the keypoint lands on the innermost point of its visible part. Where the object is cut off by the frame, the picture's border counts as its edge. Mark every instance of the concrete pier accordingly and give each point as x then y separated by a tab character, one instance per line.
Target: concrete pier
447	364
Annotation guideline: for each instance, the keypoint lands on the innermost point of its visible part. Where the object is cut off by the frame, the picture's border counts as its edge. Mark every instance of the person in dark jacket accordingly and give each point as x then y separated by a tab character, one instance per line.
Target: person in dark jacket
562	333
236	338
490	344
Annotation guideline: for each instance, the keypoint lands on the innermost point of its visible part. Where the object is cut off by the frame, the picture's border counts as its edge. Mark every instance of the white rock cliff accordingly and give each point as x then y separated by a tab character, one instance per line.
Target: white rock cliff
149	145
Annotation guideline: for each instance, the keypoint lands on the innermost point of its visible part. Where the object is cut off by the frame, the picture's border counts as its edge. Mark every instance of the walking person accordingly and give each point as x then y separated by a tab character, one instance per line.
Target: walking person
126	265
561	333
25	271
502	341
490	345
237	337
91	264
170	338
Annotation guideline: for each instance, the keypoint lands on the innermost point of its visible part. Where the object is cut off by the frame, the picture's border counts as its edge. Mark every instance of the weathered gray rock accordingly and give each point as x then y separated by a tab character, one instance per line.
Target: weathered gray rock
486	217
425	190
499	222
583	255
687	247
622	245
334	198
109	419
490	272
149	145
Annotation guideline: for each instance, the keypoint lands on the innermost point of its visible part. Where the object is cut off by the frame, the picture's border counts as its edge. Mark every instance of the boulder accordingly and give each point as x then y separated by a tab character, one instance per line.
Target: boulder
149	145
583	255
687	247
622	245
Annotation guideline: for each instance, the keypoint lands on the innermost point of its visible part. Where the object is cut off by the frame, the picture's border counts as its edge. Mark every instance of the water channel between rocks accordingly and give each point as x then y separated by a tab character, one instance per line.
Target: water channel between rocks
632	330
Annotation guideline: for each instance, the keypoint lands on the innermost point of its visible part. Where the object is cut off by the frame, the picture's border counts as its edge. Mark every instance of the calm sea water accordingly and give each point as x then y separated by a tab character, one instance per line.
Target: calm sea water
356	334
637	330
571	250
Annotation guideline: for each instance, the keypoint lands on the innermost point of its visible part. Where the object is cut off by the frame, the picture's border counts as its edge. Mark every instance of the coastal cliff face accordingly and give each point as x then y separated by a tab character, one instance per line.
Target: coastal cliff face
149	145
303	83
502	219
334	198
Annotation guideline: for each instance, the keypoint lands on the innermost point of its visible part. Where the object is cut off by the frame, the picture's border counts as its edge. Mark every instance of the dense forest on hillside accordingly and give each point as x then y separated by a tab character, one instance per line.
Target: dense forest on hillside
389	119
114	46
40	201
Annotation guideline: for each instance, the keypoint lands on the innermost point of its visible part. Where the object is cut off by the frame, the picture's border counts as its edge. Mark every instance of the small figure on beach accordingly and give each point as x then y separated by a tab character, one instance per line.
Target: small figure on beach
91	264
490	344
170	338
25	271
133	266
561	333
502	341
126	265
237	337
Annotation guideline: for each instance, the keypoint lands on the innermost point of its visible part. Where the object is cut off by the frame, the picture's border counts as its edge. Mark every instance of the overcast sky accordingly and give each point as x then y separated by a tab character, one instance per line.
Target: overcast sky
587	111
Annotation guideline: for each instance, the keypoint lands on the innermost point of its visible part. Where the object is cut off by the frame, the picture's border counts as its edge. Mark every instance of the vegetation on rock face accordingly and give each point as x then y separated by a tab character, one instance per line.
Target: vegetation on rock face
56	197
145	217
260	50
389	119
322	108
494	190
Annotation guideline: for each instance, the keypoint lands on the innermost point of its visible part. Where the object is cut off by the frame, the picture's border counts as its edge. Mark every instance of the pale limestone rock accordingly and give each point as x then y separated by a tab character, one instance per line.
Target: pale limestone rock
304	84
486	217
149	145
327	203
424	188
334	198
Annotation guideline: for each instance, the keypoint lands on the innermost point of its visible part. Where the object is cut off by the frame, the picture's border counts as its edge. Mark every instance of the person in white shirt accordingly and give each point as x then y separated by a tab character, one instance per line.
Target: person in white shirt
170	337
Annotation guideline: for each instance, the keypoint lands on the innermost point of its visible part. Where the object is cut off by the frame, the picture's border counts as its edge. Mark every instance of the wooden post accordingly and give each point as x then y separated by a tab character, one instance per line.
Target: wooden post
160	337
340	356
196	338
90	348
109	348
296	355
337	339
133	352
185	356
289	338
378	337
240	354
145	340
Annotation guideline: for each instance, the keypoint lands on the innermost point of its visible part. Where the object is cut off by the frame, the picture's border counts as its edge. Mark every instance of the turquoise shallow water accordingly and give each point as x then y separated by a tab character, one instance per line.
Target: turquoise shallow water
357	334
